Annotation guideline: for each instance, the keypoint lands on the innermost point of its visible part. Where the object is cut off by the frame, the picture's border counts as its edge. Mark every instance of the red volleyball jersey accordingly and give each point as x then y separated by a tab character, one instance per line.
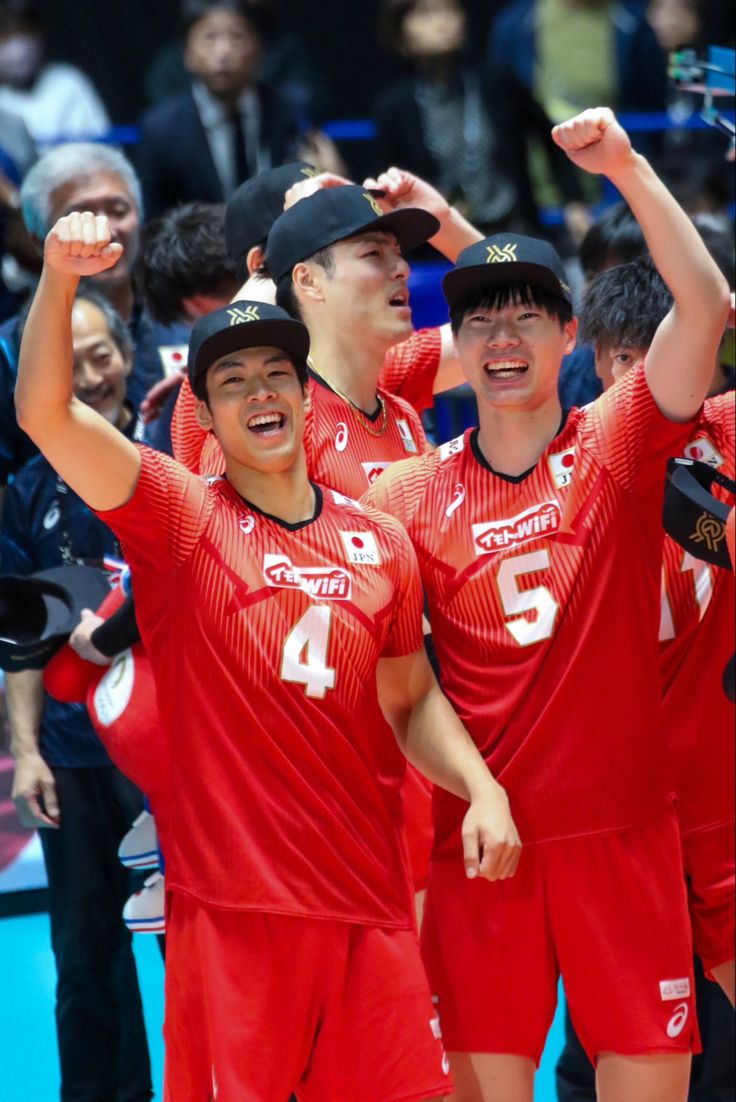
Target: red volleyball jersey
410	368
344	448
698	637
264	639
543	594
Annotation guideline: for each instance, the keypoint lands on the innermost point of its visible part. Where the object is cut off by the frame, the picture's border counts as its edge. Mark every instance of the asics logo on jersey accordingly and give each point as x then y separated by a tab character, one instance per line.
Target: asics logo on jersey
677	1022
373	204
499	255
341	436
500	535
458	497
328	583
709	530
238	315
246	524
669	990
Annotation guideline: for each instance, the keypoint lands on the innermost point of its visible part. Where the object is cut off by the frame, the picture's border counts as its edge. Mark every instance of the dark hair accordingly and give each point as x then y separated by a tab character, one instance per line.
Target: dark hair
285	295
252	12
182	253
391	26
21	15
615	238
625	305
719	242
497	298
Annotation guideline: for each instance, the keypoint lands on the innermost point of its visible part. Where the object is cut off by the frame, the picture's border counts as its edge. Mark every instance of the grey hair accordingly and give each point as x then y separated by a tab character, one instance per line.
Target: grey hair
118	330
71	161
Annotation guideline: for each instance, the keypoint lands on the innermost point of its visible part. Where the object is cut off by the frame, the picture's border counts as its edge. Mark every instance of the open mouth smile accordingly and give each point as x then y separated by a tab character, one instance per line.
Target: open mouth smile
266	424
506	369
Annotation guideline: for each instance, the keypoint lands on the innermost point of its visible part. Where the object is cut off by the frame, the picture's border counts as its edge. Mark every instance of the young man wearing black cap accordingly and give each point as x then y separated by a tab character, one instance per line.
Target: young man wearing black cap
265	603
539	542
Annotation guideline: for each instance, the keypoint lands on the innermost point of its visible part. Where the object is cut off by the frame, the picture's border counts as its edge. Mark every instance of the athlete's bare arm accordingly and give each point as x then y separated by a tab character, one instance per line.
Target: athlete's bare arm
680	361
92	457
34	787
435	741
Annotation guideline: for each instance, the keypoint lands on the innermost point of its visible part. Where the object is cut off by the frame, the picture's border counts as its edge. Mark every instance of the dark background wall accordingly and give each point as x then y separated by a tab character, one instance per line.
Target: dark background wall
115	40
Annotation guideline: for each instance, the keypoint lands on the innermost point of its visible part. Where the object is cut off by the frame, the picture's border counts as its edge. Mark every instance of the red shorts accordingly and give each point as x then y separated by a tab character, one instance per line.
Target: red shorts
608	911
708	856
260	1005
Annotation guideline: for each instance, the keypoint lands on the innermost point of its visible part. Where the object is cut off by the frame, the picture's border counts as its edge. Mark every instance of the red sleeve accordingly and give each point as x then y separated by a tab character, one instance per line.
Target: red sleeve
405	634
161	524
187	438
721	412
630	435
410	368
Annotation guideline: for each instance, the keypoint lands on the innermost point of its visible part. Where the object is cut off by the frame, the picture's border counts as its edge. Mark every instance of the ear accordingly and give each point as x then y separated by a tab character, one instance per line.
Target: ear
203	415
571	335
255	258
307	399
307	280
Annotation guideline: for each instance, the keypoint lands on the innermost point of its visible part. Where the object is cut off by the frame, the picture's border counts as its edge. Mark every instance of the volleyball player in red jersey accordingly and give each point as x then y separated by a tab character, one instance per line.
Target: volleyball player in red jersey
539	542
337	261
622	310
281	620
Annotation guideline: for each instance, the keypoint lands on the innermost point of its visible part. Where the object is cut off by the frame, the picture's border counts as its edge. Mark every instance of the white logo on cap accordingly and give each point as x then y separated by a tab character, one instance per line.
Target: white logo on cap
238	315
113	693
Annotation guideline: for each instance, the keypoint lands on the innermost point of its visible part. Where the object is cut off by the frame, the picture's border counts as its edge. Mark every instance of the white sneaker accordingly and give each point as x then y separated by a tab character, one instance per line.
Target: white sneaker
144	911
139	847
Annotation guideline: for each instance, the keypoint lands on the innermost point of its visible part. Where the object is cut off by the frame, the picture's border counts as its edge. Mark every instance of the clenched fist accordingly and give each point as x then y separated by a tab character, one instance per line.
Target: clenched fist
595	141
80	245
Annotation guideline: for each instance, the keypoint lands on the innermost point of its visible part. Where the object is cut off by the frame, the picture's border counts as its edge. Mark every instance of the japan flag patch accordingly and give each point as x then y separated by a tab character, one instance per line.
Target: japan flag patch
361	548
702	450
173	357
562	465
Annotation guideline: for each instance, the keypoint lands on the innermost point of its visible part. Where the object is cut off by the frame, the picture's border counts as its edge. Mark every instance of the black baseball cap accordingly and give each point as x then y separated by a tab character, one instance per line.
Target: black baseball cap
39	612
331	215
254	206
692	515
245	324
502	260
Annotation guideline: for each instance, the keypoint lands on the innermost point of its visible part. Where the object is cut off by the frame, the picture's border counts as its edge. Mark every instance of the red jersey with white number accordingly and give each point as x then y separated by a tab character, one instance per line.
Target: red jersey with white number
344	448
410	368
698	637
543	595
264	639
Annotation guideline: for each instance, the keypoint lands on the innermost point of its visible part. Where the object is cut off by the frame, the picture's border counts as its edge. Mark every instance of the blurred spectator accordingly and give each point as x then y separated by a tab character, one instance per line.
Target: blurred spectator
55	100
203	142
285	64
17	154
575	53
447	125
85	176
64	781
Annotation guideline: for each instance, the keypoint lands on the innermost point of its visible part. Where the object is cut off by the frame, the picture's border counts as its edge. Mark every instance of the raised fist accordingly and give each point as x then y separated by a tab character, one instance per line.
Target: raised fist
595	141
80	245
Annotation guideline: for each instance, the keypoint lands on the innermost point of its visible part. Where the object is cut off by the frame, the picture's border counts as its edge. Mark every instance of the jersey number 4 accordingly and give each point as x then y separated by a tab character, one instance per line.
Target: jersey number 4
304	659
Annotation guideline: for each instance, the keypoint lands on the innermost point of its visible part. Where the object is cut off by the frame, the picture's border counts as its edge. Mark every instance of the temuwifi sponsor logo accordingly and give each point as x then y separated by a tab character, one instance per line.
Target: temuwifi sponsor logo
500	535
327	583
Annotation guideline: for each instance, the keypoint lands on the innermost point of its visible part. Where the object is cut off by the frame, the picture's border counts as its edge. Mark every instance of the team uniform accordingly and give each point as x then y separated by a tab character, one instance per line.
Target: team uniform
697	639
286	846
540	589
347	450
410	368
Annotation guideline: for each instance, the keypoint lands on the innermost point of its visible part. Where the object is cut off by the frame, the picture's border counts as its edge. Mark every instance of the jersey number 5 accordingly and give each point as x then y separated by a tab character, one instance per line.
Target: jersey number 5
517	601
304	659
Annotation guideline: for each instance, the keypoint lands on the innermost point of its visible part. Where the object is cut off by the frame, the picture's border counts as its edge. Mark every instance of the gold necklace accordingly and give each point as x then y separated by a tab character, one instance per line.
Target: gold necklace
360	416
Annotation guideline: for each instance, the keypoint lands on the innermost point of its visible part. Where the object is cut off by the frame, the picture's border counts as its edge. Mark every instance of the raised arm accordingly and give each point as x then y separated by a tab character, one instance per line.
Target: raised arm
680	361
435	741
92	457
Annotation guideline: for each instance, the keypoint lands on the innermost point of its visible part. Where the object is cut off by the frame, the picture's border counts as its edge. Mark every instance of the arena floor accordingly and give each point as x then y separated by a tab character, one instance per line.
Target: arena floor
27	1042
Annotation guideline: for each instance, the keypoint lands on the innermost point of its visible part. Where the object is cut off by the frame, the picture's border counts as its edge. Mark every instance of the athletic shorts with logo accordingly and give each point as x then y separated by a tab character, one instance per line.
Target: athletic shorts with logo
260	1005
494	951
